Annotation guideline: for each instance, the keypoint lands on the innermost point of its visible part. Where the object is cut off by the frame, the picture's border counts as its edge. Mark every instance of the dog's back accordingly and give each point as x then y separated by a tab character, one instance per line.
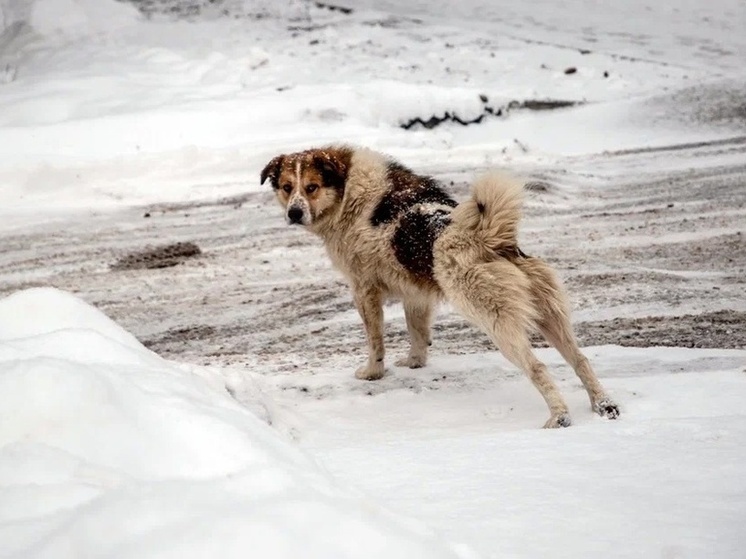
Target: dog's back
387	224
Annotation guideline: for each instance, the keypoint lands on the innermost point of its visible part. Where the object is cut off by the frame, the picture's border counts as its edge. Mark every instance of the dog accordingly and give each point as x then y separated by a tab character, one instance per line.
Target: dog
396	234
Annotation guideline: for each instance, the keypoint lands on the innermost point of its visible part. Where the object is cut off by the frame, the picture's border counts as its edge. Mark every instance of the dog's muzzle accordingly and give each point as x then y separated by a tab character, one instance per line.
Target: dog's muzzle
295	215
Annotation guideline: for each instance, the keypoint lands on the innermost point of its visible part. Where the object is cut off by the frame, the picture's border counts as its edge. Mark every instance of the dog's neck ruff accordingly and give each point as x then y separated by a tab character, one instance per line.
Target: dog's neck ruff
334	221
324	225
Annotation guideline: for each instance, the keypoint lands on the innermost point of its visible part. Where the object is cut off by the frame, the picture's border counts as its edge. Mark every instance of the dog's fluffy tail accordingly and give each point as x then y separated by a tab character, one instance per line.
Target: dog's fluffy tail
493	211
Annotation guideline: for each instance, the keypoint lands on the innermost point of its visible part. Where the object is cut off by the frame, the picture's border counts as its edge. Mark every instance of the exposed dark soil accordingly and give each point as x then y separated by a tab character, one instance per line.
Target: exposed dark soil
157	257
488	110
725	329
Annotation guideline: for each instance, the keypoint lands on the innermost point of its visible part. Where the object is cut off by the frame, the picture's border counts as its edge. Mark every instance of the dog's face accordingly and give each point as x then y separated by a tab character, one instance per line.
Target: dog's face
308	183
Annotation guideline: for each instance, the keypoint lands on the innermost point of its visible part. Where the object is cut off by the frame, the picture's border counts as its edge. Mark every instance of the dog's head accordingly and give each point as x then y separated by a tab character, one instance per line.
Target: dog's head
308	183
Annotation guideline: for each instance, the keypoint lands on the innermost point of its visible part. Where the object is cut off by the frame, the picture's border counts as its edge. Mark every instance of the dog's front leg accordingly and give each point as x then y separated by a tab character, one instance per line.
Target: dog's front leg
418	315
369	302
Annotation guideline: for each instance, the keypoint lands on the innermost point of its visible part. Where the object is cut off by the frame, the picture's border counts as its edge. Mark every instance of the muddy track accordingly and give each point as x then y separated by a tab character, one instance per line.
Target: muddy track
650	258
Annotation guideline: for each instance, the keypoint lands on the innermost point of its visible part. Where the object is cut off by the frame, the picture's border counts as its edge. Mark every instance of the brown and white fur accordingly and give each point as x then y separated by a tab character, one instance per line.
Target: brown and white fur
396	234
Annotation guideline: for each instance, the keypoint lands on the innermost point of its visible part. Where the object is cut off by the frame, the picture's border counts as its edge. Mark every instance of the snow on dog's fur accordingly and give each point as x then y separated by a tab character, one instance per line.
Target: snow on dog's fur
396	234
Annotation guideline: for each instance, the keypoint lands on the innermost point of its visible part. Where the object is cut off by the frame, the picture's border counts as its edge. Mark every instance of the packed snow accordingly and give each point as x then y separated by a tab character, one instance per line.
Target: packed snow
665	480
107	449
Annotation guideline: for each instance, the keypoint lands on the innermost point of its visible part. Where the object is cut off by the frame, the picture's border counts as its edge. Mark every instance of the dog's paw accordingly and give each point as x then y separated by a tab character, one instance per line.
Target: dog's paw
370	373
412	361
557	421
606	408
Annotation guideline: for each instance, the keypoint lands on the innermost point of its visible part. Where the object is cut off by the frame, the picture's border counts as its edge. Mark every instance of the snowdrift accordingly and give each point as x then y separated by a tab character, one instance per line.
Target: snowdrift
108	450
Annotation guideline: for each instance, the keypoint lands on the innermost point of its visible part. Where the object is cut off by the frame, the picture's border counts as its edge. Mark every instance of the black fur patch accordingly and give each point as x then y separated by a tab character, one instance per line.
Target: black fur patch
333	179
334	166
414	238
272	171
407	189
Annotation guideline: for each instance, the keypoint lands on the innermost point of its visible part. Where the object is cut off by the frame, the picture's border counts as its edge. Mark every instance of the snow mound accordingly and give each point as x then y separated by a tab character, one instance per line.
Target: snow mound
397	103
108	450
28	314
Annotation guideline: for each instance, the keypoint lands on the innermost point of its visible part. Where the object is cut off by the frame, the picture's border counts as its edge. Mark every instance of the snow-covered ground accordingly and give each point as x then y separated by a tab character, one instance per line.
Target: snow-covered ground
108	115
102	109
107	450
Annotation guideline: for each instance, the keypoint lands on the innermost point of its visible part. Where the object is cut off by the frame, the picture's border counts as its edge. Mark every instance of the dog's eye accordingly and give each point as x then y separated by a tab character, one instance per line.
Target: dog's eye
287	187
311	188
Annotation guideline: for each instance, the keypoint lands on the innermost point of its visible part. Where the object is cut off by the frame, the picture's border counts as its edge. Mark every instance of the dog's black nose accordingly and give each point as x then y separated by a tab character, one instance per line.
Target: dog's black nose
295	215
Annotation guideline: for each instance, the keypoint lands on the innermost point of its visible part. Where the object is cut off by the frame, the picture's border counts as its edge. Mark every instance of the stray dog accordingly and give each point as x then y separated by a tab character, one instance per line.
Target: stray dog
396	234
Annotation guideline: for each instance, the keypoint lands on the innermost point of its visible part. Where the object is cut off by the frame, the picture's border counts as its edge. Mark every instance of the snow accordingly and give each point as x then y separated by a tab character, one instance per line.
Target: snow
94	119
98	435
664	480
80	16
106	449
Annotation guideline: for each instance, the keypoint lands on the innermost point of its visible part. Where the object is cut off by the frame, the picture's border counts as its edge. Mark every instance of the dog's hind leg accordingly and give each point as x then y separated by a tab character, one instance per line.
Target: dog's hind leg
516	347
418	315
558	332
554	324
369	303
496	297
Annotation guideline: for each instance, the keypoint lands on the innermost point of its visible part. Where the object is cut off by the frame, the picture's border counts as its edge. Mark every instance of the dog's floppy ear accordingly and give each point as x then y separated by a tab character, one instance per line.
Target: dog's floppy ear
333	169
272	171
